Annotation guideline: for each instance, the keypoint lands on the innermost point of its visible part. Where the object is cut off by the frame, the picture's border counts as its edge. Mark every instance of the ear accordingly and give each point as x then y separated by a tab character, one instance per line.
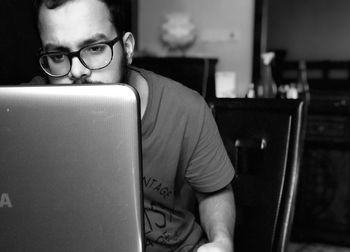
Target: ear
129	45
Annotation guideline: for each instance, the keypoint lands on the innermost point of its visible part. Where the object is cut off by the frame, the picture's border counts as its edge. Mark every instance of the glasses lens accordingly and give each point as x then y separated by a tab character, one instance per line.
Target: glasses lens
96	56
55	64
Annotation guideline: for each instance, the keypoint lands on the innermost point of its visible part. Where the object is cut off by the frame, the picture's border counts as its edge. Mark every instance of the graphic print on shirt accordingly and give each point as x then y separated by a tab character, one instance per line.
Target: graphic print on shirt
159	219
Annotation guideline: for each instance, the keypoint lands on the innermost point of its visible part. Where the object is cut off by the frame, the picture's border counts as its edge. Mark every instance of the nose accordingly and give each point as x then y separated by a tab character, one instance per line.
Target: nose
78	70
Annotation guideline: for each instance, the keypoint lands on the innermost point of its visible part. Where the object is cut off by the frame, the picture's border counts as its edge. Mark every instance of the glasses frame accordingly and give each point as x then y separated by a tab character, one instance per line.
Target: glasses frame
71	55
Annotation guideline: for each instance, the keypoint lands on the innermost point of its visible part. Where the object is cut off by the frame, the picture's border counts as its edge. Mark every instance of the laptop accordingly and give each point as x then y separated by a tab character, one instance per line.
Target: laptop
70	169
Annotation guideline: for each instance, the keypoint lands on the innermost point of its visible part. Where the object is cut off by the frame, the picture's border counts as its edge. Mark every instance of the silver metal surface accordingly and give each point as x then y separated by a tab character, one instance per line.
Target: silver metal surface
70	169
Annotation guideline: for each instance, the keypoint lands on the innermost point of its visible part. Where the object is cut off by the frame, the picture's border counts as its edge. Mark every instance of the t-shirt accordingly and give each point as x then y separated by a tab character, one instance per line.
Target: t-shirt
181	149
182	152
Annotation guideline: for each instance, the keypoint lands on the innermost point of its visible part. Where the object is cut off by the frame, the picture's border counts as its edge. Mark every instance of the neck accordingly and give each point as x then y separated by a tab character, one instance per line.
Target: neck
137	81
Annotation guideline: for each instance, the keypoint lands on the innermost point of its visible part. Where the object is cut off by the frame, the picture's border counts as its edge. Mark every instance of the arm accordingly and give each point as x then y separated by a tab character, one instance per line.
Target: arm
217	214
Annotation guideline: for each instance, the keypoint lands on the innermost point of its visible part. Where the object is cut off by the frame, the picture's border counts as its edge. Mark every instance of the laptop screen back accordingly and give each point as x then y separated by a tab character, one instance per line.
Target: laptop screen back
70	169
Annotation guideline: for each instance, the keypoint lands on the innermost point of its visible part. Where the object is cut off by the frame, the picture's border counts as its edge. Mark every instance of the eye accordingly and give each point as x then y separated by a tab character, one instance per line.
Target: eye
57	58
96	49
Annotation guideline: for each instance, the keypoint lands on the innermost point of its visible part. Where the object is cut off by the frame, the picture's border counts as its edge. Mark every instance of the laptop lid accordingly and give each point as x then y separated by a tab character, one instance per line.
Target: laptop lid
70	169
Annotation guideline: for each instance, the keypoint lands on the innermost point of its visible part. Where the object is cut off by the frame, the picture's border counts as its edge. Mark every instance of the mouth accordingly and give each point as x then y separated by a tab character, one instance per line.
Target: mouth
85	81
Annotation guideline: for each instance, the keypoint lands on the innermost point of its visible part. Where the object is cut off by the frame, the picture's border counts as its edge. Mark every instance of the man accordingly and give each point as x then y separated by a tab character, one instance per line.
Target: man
83	41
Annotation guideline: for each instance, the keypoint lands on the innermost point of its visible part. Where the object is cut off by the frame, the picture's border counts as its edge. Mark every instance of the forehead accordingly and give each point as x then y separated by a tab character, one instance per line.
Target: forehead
74	22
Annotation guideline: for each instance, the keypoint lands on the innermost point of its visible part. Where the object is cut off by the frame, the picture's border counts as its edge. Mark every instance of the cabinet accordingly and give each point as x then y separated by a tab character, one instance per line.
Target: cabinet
323	202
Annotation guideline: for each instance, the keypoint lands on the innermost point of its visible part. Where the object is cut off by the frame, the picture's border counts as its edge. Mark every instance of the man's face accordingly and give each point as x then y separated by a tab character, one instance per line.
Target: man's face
75	25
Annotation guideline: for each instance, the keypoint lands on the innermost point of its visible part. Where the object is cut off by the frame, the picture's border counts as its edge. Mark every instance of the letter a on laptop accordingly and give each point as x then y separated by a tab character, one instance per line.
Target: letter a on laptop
70	169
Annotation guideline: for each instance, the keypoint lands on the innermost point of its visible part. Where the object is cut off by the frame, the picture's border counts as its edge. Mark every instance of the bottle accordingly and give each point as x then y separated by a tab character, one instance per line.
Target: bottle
302	84
267	87
251	91
282	91
292	91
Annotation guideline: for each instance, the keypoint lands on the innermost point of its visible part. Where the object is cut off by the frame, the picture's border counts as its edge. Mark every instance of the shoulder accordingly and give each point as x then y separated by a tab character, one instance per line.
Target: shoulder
172	93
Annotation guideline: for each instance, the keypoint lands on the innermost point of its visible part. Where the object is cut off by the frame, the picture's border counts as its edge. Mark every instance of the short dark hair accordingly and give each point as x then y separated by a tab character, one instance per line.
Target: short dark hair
115	7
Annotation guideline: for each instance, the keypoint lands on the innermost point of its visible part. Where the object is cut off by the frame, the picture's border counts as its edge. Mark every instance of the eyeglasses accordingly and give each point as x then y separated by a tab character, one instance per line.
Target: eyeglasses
94	57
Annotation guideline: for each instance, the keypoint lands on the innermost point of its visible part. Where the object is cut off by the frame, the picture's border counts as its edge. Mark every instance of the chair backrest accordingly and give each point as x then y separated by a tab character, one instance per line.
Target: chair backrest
263	140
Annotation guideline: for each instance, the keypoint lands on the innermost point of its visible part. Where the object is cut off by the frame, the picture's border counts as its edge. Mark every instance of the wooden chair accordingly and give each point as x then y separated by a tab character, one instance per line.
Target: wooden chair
263	140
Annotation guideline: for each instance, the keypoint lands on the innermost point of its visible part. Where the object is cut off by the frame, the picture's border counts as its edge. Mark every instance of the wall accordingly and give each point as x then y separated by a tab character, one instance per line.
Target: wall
220	19
312	29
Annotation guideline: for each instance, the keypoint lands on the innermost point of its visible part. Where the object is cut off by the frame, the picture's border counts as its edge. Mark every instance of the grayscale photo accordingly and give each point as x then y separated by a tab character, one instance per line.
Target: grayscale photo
174	126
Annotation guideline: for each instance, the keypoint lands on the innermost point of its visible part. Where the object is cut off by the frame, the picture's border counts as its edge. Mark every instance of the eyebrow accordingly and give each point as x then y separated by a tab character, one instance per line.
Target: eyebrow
94	39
